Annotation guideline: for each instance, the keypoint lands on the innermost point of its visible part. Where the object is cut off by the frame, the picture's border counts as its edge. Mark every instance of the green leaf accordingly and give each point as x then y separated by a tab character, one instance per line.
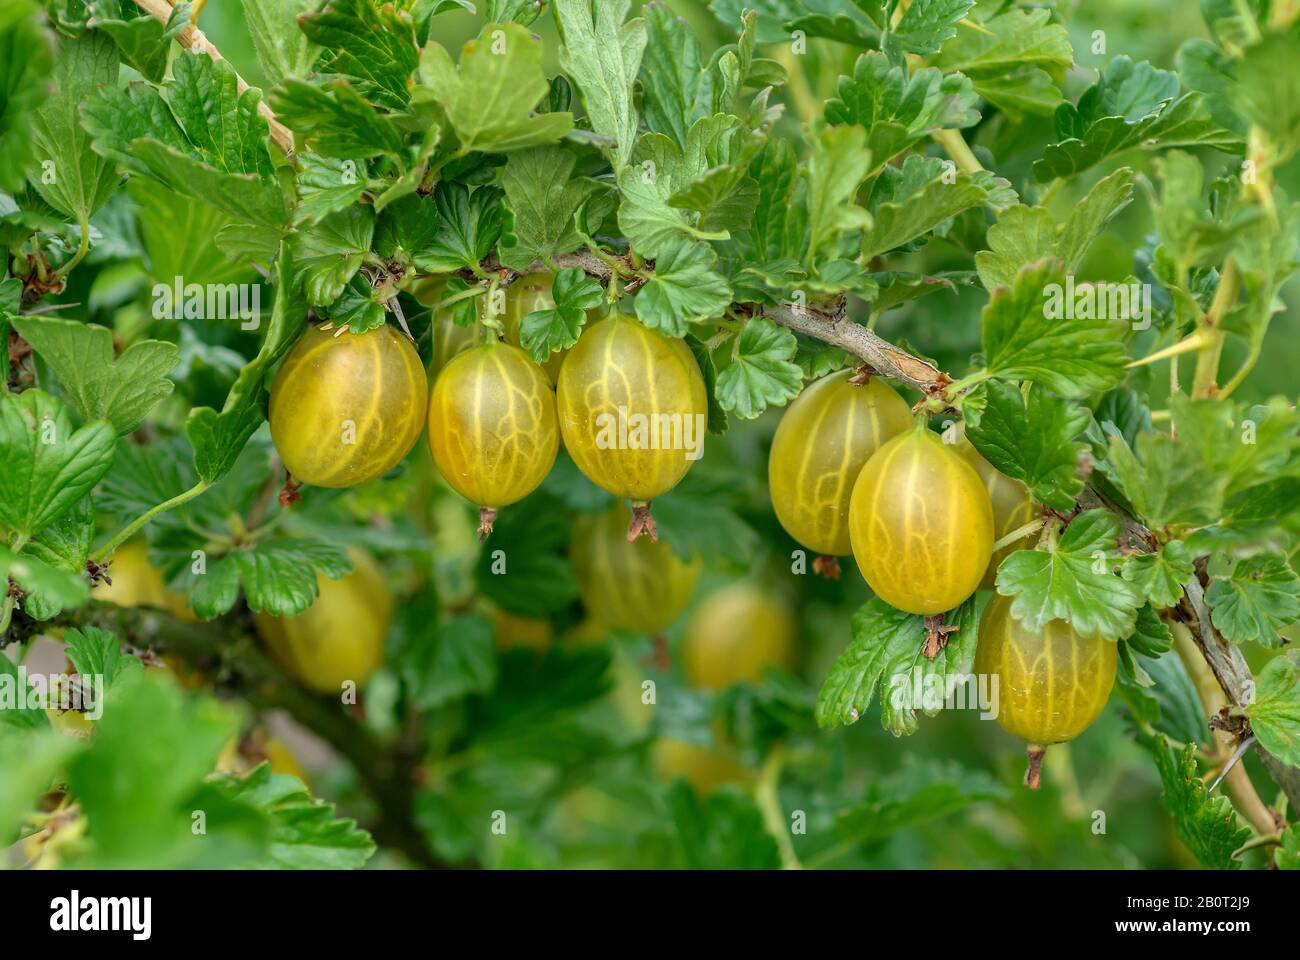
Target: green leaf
145	41
699	517
1168	703
1035	443
49	466
1206	824
1074	581
332	119
683	290
490	98
602	55
926	24
20	700
31	762
28	48
723	831
910	202
283	50
1161	575
1024	235
724	198
526	568
1012	39
142	778
305	833
887	652
1026	335
98	653
1287	855
469	228
68	175
1131	105
544	332
899	110
121	391
1275	714
374	45
1267	96
279	577
838	165
456	658
1253	598
660	171
922	791
329	253
761	371
49	588
541	199
179	235
326	186
218	438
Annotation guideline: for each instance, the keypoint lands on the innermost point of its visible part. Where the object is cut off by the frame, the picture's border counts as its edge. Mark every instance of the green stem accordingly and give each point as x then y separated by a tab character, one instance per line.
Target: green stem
767	797
127	532
82	250
1204	381
1033	526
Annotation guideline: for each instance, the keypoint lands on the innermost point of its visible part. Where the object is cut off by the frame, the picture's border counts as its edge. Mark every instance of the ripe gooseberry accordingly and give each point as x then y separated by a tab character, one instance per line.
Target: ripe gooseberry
921	524
820	446
1052	683
704	768
1013	508
348	408
633	411
737	631
340	637
492	427
639	586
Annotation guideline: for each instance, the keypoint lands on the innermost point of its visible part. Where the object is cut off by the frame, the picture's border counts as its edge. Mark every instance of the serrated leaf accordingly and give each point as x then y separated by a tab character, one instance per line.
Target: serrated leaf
98	653
542	199
683	290
1206	824
490	97
373	44
1035	443
332	119
144	41
1024	235
1275	713
82	181
119	390
839	163
538	580
283	49
910	202
1161	575
543	332
29	47
278	577
724	830
457	657
219	437
1025	337
602	55
1074	582
897	109
470	224
1253	598
49	589
886	652
761	371
49	466
329	253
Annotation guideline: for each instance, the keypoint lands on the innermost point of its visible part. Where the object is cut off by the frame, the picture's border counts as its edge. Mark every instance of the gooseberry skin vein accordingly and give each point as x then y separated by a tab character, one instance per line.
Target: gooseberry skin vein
347	409
492	428
620	363
921	524
820	447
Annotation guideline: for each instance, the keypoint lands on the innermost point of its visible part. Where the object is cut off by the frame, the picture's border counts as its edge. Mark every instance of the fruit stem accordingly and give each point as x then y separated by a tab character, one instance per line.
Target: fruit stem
642	522
487	518
1033	526
1033	774
827	566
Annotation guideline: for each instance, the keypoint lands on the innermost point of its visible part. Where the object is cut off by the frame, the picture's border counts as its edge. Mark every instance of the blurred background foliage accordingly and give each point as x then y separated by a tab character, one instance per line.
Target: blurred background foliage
532	709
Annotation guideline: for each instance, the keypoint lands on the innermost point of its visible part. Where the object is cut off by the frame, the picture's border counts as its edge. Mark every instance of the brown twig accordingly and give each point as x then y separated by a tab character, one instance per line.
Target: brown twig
194	39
